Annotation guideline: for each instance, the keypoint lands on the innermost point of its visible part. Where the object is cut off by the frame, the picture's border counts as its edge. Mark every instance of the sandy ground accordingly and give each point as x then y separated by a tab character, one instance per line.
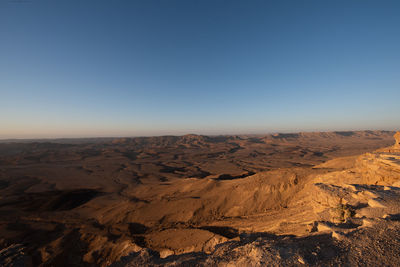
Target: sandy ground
284	199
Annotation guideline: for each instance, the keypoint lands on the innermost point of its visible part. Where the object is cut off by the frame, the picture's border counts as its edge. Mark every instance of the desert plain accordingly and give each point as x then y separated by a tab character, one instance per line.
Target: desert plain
295	199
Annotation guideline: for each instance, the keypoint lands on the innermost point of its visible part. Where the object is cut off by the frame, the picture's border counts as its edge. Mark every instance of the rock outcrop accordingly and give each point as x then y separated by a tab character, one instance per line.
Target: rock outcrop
397	138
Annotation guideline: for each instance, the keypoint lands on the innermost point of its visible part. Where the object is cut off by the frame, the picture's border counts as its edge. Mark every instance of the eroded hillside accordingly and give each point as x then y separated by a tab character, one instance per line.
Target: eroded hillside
285	199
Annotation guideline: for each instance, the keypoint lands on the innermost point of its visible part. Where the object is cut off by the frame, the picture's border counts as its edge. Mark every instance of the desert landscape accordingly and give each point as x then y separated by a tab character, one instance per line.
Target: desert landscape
312	198
199	133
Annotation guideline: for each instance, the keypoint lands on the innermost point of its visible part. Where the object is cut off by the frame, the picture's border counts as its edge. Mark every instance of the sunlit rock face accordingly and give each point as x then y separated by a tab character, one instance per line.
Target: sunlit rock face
397	138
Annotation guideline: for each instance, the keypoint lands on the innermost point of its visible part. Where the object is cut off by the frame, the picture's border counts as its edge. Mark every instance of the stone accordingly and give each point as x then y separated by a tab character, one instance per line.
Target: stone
397	138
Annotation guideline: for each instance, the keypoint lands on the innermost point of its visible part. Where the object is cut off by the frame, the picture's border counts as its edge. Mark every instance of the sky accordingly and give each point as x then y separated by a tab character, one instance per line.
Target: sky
133	68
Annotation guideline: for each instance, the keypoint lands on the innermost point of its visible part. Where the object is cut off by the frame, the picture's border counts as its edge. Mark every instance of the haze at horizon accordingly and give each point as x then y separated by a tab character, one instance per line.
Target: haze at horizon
103	68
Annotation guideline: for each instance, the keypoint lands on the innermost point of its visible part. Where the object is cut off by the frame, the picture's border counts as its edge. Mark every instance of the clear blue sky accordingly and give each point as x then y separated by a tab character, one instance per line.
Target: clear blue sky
127	68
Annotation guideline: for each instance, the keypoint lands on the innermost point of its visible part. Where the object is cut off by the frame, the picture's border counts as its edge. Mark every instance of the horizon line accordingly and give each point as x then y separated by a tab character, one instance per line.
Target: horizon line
191	133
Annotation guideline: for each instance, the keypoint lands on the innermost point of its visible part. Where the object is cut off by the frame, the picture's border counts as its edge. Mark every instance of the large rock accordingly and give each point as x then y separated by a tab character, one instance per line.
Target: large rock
397	138
379	168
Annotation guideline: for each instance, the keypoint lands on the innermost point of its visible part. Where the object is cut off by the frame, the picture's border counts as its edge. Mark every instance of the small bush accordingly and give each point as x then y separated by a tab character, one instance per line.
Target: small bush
344	212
